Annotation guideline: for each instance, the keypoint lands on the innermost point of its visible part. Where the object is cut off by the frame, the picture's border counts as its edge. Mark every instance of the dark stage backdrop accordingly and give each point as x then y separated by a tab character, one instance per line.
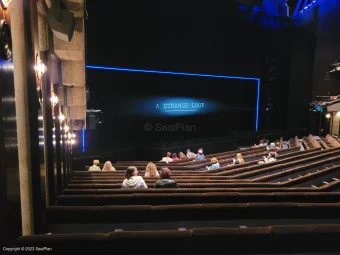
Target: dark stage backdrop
184	36
149	106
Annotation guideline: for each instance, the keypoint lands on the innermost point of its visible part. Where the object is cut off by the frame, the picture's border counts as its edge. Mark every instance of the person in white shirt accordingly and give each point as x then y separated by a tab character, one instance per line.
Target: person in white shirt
95	167
262	144
132	180
271	157
271	146
167	159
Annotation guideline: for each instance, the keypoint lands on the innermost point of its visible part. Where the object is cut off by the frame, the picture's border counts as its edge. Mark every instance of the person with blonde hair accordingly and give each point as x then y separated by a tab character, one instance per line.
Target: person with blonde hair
181	155
108	167
151	170
214	164
95	167
239	159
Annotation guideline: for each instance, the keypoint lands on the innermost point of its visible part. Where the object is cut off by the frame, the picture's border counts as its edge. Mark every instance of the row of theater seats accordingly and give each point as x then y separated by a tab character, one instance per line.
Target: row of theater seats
299	185
251	158
310	176
293	143
311	239
189	164
122	165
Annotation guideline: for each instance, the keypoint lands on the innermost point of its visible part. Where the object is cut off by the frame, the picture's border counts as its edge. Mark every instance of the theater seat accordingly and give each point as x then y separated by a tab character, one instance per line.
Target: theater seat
167	242
306	238
231	241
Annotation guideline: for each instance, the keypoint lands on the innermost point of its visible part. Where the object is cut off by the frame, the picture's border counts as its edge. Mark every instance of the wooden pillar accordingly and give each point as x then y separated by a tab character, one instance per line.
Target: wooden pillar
22	114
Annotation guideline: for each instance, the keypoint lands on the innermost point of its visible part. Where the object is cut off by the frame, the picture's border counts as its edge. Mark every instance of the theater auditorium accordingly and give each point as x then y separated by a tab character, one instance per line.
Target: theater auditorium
170	127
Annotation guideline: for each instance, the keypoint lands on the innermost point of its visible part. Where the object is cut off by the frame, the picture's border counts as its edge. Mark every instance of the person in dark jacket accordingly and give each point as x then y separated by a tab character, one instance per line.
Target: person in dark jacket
165	181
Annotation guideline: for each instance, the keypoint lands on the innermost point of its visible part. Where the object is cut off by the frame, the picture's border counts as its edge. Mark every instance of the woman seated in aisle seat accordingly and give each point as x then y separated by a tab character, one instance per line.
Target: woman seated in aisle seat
174	157
132	180
239	159
261	144
190	154
95	167
214	164
167	159
108	167
151	170
165	181
199	155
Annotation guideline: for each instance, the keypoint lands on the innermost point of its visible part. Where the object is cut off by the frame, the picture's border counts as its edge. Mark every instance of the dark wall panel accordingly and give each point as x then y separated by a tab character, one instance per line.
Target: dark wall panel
326	52
10	213
327	49
300	86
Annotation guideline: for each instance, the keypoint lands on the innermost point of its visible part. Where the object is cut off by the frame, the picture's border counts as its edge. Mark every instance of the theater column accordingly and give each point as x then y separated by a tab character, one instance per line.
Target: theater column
22	114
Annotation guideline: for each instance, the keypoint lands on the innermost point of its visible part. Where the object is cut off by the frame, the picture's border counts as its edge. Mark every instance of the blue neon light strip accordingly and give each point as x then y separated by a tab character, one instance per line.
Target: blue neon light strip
189	74
83	131
257	104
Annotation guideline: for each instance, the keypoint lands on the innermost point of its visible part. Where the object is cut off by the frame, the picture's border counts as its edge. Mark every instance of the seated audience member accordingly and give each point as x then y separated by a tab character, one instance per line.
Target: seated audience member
108	167
261	144
190	154
239	159
271	146
95	167
151	170
182	156
199	155
132	180
174	157
167	159
273	152
272	157
215	164
278	146
165	181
